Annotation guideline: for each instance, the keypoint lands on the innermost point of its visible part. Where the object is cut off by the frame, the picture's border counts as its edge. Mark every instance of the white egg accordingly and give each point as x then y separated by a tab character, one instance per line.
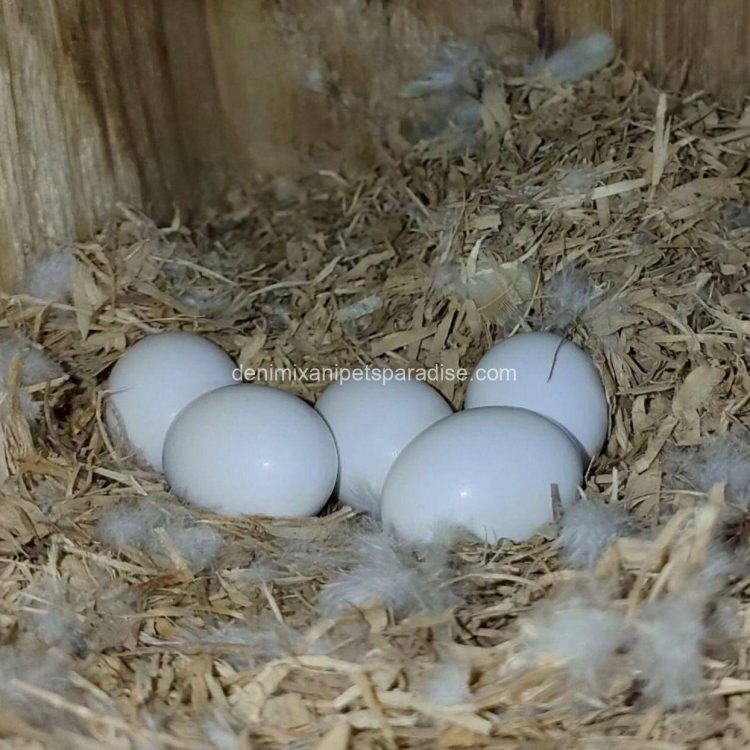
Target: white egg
549	375
154	380
251	449
372	421
489	470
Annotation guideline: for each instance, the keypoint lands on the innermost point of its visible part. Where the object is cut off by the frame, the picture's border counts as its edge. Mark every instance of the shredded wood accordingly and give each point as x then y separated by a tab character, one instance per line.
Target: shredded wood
124	647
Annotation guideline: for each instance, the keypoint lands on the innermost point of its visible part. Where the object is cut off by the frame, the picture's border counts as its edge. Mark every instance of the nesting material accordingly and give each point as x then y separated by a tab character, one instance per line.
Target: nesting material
49	275
578	633
166	532
23	366
502	292
669	649
658	647
387	574
582	58
27	667
568	296
265	640
721	459
587	530
50	615
149	582
447	684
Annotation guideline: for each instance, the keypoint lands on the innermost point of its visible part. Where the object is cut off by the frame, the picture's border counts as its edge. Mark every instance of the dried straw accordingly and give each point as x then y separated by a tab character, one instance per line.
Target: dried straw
612	177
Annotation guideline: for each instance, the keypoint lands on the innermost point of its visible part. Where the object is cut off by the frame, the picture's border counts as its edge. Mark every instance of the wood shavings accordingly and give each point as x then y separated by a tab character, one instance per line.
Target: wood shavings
51	616
579	633
588	528
501	292
668	651
168	533
387	575
612	178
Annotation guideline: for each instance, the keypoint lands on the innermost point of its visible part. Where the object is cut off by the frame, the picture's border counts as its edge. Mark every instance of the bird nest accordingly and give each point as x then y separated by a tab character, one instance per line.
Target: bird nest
610	212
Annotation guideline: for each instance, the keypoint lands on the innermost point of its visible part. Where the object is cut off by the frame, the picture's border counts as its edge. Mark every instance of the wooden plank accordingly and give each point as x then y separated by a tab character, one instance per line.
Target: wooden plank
660	35
192	85
98	104
159	103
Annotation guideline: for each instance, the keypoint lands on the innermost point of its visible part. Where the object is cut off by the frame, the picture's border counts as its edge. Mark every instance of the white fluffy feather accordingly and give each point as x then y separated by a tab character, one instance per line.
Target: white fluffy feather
671	633
265	640
663	643
718	567
577	180
356	316
30	408
724	458
724	624
452	71
582	58
36	367
330	552
387	574
588	528
220	732
447	684
49	275
144	524
294	558
736	215
198	544
568	296
46	494
39	668
366	499
578	633
668	649
49	613
502	292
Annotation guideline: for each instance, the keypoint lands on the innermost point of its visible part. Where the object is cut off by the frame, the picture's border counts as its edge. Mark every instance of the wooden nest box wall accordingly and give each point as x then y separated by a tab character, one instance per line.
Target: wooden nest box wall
164	104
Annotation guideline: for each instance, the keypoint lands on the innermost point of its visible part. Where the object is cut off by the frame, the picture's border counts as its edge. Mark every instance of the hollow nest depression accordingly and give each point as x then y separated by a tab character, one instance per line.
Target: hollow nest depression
608	211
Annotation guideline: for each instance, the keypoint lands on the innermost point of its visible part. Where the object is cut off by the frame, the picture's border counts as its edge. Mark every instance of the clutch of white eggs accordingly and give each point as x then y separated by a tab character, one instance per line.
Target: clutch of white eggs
535	415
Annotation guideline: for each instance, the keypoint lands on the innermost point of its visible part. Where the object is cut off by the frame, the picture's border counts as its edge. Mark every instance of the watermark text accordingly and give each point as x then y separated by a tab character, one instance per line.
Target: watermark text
434	374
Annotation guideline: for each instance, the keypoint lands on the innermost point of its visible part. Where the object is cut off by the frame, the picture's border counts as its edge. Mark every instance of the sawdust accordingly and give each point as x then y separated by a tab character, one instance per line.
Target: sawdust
279	284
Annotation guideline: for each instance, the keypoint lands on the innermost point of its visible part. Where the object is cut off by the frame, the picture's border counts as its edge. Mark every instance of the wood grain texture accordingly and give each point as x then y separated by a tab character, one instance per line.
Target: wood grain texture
305	83
163	103
101	102
709	38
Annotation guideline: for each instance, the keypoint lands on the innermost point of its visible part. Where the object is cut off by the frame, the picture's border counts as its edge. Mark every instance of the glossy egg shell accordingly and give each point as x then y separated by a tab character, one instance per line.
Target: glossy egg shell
372	422
251	449
154	380
488	470
547	374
